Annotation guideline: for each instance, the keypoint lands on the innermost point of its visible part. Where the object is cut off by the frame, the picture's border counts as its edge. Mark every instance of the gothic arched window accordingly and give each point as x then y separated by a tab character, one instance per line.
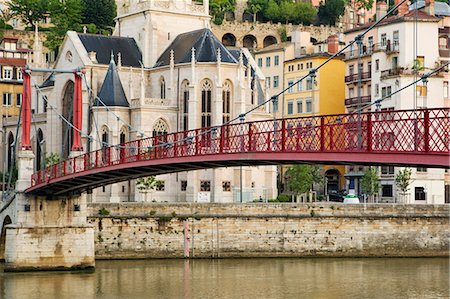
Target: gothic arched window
185	104
226	101
206	103
162	85
160	129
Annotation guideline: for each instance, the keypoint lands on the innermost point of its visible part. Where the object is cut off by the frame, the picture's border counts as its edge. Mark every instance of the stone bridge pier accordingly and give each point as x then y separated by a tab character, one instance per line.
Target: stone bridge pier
44	232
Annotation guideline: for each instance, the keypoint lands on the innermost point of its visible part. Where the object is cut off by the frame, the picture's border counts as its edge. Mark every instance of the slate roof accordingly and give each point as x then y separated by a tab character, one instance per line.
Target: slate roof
49	82
205	44
112	93
440	8
103	45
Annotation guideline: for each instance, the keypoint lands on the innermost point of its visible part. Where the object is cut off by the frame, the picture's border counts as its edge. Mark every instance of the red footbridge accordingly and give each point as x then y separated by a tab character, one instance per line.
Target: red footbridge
402	138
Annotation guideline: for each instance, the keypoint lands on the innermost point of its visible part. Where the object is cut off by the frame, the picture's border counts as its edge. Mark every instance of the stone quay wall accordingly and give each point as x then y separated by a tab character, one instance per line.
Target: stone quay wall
153	230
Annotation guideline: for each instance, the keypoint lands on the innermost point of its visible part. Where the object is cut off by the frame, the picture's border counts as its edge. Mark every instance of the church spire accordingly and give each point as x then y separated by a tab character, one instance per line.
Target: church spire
112	92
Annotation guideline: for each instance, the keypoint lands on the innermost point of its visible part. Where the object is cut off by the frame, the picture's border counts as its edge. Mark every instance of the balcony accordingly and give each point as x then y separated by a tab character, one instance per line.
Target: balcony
354	77
388	47
391	72
355	101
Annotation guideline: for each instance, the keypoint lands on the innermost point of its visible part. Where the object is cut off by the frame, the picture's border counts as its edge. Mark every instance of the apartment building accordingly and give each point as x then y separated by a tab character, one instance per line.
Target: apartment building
323	94
386	61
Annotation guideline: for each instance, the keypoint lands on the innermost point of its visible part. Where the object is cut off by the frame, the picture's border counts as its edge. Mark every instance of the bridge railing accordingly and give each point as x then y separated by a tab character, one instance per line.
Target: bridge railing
409	131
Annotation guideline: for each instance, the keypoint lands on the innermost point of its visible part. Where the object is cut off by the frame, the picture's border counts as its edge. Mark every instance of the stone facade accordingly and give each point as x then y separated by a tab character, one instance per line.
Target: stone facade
268	230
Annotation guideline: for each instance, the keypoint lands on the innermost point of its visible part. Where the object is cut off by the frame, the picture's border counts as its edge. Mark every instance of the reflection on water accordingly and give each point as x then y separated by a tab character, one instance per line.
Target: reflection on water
239	278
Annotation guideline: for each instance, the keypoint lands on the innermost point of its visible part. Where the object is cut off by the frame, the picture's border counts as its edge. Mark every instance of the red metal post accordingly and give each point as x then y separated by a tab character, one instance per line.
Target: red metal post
250	137
222	138
283	135
369	132
330	133
26	109
426	130
77	112
322	134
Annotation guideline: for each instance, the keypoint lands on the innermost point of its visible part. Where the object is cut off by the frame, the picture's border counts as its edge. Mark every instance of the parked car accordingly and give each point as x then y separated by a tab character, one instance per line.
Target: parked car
337	196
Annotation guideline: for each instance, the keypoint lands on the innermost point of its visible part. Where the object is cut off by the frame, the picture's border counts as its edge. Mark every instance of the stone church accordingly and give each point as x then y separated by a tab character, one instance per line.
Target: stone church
162	71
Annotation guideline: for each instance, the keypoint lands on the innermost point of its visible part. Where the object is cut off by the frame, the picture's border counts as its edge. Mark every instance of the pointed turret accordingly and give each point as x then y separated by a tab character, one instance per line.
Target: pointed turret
112	93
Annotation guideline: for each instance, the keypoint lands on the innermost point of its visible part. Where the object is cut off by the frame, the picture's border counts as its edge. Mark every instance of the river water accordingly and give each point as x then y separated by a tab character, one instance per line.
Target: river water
239	278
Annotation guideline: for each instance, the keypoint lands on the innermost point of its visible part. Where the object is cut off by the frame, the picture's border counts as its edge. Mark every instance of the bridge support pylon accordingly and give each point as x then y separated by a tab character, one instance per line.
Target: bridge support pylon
46	233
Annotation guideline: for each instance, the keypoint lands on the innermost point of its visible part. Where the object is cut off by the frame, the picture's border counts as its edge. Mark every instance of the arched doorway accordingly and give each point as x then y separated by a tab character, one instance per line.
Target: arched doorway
3	237
249	42
229	40
67	112
333	178
269	40
39	150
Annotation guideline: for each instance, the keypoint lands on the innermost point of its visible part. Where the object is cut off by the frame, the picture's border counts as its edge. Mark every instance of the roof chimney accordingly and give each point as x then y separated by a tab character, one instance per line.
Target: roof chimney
429	7
381	9
403	9
333	44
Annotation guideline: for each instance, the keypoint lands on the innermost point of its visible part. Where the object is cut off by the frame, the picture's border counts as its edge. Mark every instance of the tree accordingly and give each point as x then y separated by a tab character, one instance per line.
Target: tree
66	15
330	11
29	11
403	181
101	13
52	158
147	185
219	8
254	8
370	182
302	177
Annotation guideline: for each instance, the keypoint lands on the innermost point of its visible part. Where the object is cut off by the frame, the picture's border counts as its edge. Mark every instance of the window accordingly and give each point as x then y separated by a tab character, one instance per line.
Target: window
226	102
268	61
308	106
160	128
300	86
290	108
308	83
18	99
369	90
351	51
421	90
377	65
383	40
260	62
419	63
385	91
183	185
421	169
370	43
445	89
386	191
206	103
7	99
369	67
226	186
301	66
419	193
7	73
377	90
19	75
160	186
351	92
443	42
290	83
299	106
387	170
298	67
185	108
205	186
351	69
267	82
277	60
276	81
162	86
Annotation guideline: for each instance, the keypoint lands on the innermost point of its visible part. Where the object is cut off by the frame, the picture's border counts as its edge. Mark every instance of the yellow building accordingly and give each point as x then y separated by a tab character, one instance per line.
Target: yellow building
323	95
12	59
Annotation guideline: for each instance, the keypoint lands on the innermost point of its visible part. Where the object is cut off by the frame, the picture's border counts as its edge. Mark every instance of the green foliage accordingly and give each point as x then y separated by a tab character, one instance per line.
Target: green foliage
152	213
52	158
283	11
403	179
283	198
66	15
147	184
364	4
218	9
283	34
100	13
370	182
330	11
29	11
302	177
103	212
